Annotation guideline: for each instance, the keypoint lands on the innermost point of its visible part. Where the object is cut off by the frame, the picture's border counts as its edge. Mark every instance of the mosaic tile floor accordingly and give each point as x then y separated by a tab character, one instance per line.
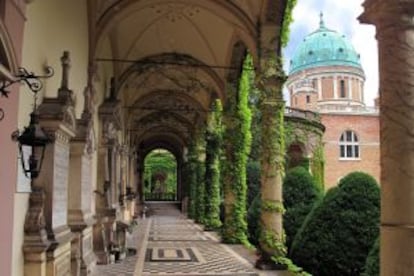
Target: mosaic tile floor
173	245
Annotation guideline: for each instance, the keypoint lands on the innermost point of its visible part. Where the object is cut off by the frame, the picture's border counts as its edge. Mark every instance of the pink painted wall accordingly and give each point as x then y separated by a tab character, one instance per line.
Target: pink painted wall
12	16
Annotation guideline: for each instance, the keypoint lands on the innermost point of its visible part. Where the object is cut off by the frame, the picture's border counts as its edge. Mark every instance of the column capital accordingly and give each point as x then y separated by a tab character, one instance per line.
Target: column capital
386	14
271	77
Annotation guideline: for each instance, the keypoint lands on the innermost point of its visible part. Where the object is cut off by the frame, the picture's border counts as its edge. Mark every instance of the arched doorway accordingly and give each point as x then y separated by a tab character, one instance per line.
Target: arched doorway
296	156
160	176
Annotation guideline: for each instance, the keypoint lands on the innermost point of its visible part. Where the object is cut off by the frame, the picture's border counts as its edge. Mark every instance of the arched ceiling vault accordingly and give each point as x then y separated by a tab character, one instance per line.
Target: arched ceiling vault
172	58
153	140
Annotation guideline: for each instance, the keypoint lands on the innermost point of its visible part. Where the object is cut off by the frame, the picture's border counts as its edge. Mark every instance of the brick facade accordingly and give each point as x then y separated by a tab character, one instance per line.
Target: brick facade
366	127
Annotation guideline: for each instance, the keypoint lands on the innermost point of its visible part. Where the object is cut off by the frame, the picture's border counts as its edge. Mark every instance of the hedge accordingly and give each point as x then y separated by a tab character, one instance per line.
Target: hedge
300	193
338	234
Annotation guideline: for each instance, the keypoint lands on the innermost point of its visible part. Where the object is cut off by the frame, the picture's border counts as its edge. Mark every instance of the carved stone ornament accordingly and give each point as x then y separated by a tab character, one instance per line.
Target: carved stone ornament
61	108
90	141
35	238
110	114
109	131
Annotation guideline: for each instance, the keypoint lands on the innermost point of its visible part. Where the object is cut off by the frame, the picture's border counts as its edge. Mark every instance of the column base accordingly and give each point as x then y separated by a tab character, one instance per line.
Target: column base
83	257
103	235
265	263
35	263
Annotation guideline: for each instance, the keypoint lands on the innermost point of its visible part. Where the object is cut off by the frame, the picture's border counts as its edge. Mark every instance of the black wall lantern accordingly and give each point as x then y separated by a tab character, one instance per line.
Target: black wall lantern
32	145
33	140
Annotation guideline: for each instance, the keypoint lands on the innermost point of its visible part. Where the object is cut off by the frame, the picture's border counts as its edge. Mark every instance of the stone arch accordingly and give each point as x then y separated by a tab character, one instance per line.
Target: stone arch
7	54
238	54
296	155
157	62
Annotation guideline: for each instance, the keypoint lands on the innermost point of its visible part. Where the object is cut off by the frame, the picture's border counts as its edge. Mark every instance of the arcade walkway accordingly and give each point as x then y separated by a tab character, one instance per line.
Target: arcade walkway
168	243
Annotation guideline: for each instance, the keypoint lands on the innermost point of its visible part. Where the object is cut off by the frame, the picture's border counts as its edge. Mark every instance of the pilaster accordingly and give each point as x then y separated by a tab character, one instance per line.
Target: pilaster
335	86
107	204
395	34
50	189
80	217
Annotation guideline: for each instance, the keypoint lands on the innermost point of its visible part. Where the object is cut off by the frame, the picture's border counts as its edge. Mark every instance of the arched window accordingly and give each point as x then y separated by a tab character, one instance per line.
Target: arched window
348	145
342	88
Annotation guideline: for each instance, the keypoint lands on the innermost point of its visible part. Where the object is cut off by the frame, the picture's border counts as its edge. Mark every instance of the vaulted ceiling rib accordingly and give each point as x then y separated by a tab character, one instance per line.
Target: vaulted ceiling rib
171	59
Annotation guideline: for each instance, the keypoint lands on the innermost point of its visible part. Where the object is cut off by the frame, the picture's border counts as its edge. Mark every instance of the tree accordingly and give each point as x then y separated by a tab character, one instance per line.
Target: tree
338	234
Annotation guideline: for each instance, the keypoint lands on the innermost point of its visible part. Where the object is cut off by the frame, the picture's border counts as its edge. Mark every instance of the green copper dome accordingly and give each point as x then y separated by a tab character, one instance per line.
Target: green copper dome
324	47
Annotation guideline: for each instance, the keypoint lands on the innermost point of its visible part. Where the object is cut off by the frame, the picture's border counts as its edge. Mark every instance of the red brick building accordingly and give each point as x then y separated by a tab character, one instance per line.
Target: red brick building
326	76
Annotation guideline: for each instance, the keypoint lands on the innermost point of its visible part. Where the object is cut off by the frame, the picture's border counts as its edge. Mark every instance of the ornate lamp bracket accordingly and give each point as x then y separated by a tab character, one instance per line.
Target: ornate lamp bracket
32	81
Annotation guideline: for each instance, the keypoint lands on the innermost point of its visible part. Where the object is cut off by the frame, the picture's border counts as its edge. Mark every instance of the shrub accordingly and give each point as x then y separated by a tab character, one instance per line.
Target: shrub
372	263
338	234
253	218
300	192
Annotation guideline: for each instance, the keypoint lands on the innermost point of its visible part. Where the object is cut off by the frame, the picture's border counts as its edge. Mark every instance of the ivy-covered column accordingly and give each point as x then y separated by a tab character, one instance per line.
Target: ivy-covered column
200	200
270	80
191	169
212	176
237	141
196	156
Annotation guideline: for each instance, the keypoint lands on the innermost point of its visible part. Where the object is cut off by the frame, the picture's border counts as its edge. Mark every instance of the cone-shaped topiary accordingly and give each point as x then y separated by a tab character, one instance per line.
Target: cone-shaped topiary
372	263
300	193
338	234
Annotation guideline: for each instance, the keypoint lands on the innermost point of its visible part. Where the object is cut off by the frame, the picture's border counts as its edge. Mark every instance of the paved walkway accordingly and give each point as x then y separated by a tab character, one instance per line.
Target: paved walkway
168	243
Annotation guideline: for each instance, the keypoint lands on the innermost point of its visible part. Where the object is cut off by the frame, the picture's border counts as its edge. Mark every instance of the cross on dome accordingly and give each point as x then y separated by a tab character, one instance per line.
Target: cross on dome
321	22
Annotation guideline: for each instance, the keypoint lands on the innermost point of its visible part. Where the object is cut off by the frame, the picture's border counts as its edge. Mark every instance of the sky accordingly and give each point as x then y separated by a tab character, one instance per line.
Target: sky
340	16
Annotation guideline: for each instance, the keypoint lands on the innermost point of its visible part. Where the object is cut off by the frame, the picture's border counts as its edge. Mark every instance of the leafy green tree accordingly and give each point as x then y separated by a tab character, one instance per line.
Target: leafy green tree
160	173
338	234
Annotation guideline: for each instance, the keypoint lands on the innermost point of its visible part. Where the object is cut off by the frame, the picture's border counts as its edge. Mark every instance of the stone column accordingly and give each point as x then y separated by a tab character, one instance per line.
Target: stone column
179	187
131	182
270	81
394	21
139	182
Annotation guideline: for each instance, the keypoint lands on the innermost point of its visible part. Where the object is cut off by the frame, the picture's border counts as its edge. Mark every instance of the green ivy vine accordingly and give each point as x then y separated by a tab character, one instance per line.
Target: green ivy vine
238	138
200	196
318	166
273	206
214	137
287	20
192	180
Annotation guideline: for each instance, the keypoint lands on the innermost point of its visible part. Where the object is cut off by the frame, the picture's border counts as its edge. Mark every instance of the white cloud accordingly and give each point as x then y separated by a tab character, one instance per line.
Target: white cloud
342	17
